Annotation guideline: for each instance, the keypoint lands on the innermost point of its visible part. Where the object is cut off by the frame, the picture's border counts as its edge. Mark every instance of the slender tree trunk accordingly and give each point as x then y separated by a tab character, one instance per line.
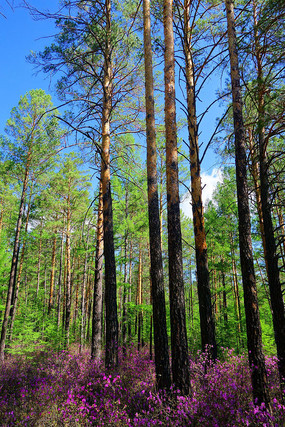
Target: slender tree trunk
17	287
83	292
60	282
162	365
64	292
191	304
236	293
39	262
161	202
207	323
254	336
150	337
14	262
281	229
76	302
225	305
96	343
52	274
265	285
254	169
1	216
125	297
130	290
179	346
271	255
68	276
111	353
139	297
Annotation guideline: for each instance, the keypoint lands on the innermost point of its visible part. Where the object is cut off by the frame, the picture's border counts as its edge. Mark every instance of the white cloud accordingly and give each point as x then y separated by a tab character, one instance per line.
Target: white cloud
209	184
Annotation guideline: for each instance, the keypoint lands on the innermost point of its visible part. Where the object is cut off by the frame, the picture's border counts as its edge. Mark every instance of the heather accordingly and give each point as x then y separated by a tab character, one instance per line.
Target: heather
66	388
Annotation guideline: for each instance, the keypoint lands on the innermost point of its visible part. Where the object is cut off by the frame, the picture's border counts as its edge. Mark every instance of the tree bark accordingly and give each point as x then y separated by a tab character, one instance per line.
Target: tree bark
125	294
111	353
130	289
39	261
14	262
52	275
254	336
139	298
68	276
179	346
96	343
270	253
83	292
17	287
162	365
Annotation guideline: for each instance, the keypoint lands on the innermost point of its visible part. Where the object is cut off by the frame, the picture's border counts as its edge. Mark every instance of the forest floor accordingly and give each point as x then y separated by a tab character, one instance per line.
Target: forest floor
67	389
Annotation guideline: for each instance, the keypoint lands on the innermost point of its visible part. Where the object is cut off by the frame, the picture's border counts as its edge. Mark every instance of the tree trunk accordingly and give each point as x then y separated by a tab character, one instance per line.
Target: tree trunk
130	290
111	354
1	216
271	256
281	229
162	366
83	292
179	346
14	262
139	298
68	277
76	302
225	305
52	274
96	343
17	287
236	294
254	336
207	323
125	295
59	282
39	262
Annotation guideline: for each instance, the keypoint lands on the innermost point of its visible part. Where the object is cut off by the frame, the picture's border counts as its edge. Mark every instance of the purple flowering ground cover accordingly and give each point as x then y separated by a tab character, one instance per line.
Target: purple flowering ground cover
65	389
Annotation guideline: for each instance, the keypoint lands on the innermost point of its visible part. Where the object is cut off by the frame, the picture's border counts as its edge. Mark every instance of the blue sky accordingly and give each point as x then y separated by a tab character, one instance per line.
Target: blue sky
20	33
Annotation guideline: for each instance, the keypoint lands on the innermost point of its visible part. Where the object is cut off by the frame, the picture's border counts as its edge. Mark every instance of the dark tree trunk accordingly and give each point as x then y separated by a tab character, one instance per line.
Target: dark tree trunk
17	287
96	343
111	358
271	256
254	337
14	262
179	346
150	338
162	366
139	298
